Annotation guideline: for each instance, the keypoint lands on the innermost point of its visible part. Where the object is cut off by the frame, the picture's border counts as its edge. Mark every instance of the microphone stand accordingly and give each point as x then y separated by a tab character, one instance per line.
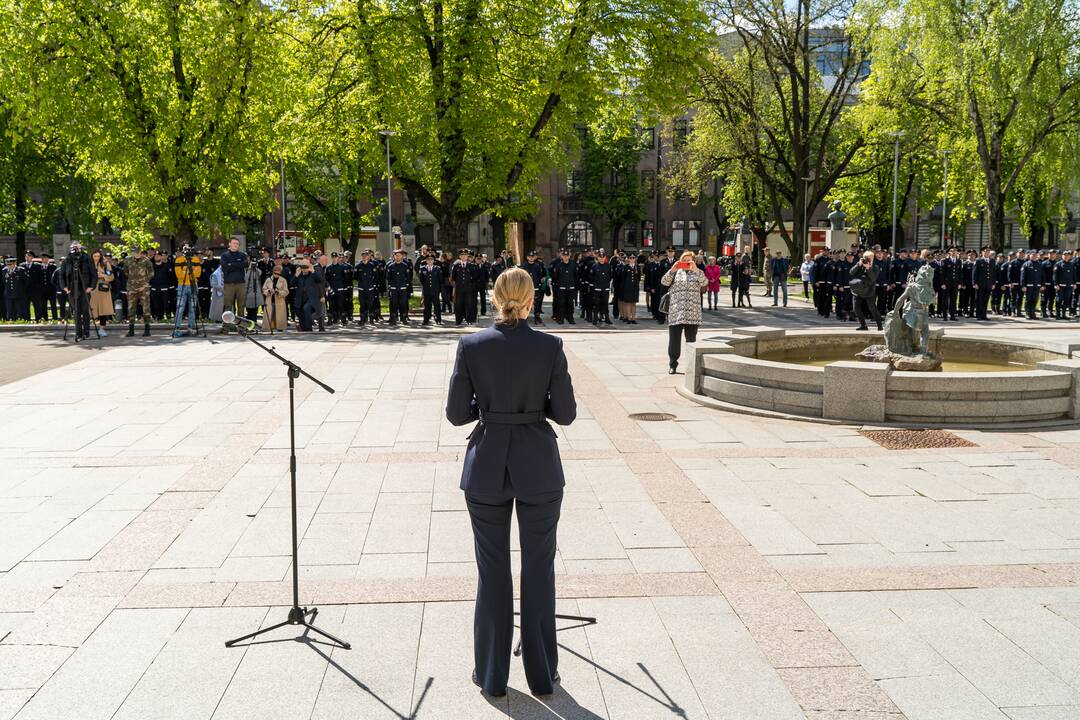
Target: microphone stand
297	615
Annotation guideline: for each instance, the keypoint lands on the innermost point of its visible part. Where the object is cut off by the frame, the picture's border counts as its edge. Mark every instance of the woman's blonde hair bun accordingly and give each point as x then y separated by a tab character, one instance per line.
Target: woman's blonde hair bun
513	292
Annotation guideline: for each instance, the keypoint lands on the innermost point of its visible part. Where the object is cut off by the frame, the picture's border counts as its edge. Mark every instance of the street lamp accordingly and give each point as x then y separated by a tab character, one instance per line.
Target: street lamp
389	202
945	198
805	227
895	176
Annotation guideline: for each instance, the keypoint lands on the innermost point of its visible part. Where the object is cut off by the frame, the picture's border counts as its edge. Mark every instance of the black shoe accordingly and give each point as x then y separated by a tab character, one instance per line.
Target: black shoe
146	330
607	321
672	369
555	680
476	682
863	328
571	321
131	330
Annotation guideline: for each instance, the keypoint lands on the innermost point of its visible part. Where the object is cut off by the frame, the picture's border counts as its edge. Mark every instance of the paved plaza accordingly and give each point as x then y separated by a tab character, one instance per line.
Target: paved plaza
740	568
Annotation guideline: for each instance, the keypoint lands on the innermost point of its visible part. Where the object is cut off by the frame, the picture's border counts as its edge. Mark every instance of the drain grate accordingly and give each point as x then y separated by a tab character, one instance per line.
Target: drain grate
915	439
652	417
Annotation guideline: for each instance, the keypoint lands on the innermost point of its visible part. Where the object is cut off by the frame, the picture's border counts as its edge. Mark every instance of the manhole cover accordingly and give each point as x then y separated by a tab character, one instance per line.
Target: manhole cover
915	439
652	417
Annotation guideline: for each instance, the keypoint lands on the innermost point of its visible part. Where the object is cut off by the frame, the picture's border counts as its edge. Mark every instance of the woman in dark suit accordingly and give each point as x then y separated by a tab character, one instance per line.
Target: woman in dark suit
513	379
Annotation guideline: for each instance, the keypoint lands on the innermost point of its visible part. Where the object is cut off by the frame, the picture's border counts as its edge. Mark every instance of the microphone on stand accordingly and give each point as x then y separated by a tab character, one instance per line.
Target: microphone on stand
229	318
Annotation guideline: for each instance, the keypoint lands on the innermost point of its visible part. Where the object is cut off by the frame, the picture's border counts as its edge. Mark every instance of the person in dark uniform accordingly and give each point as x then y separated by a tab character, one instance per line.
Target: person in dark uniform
627	283
1048	261
339	294
482	283
1031	281
898	275
882	264
1016	267
399	287
563	272
600	280
822	283
952	275
380	282
430	289
535	267
367	289
1064	279
584	289
513	380
999	294
649	280
982	281
59	304
36	288
447	263
16	286
461	278
663	266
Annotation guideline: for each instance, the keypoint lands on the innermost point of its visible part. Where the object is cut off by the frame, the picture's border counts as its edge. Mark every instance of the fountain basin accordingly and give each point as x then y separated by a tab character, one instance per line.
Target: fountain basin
803	374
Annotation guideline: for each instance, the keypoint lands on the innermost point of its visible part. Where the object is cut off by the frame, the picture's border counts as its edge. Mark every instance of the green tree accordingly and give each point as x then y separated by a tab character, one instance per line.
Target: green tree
1003	76
483	94
169	105
765	86
610	187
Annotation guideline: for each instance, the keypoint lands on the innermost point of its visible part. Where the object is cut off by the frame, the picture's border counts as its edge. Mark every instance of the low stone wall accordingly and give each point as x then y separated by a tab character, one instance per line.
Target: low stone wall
726	372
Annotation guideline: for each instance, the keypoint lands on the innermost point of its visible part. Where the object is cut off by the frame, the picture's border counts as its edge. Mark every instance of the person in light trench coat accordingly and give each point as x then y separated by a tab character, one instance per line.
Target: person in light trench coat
275	290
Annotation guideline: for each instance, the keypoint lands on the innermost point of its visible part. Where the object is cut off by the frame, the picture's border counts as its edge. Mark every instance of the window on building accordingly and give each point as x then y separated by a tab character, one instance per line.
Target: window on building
677	227
648	138
681	129
573	182
648	183
693	234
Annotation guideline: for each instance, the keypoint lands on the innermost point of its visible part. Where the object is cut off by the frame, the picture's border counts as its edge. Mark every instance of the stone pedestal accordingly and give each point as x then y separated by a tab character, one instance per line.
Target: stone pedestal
836	239
855	392
1071	366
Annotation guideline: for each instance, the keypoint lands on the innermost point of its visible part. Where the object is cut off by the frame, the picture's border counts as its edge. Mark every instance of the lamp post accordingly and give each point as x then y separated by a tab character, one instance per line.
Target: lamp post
283	198
389	201
895	178
945	198
805	227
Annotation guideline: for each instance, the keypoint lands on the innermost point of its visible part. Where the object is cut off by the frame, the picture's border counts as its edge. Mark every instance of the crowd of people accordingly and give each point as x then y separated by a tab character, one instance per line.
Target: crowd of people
310	291
1037	284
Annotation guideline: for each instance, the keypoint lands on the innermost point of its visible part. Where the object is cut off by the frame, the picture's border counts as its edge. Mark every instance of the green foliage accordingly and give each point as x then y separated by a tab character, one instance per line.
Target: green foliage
610	186
483	95
1001	80
168	106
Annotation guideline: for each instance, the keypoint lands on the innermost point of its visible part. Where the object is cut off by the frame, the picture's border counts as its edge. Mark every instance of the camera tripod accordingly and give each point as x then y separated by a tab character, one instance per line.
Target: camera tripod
77	296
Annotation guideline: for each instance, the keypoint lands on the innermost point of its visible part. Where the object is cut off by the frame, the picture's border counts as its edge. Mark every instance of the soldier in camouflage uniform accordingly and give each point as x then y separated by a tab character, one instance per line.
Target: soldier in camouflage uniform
139	272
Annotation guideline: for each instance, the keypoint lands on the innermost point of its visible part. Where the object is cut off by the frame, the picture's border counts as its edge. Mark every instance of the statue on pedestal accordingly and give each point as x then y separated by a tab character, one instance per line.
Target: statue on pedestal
907	328
837	217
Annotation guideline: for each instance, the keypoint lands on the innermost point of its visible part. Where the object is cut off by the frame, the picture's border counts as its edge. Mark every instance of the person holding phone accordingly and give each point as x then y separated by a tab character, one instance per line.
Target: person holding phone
685	283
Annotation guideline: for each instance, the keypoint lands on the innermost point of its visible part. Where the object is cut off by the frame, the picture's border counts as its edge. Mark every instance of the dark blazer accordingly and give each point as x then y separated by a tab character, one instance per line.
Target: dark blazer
512	379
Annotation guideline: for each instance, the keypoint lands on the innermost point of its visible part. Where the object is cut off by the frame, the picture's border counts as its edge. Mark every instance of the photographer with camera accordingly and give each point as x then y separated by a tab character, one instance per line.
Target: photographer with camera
188	270
863	283
79	279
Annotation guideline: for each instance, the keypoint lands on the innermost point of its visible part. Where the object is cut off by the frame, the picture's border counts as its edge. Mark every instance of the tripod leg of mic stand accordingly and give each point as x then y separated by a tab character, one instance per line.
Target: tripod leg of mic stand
579	618
257	633
327	635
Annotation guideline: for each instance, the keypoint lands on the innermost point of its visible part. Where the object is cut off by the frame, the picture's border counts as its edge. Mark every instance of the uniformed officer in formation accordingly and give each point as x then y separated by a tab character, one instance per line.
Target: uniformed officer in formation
600	281
139	271
538	272
366	273
399	288
461	279
16	283
564	277
431	281
338	289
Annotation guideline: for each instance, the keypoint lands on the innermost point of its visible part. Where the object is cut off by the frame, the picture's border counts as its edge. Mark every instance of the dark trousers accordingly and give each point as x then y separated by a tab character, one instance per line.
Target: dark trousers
447	298
60	308
538	303
399	305
1064	301
600	307
1018	295
674	343
864	306
37	301
562	307
1048	295
493	622
982	299
464	306
369	303
80	304
1031	299
432	303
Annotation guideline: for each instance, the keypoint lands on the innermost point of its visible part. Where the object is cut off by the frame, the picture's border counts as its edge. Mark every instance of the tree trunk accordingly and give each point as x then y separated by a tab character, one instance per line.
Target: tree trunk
20	222
616	228
453	231
185	234
995	213
352	244
498	234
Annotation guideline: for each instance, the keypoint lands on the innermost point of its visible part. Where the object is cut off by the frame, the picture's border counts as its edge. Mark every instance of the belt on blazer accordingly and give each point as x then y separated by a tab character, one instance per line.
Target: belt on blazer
502	418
